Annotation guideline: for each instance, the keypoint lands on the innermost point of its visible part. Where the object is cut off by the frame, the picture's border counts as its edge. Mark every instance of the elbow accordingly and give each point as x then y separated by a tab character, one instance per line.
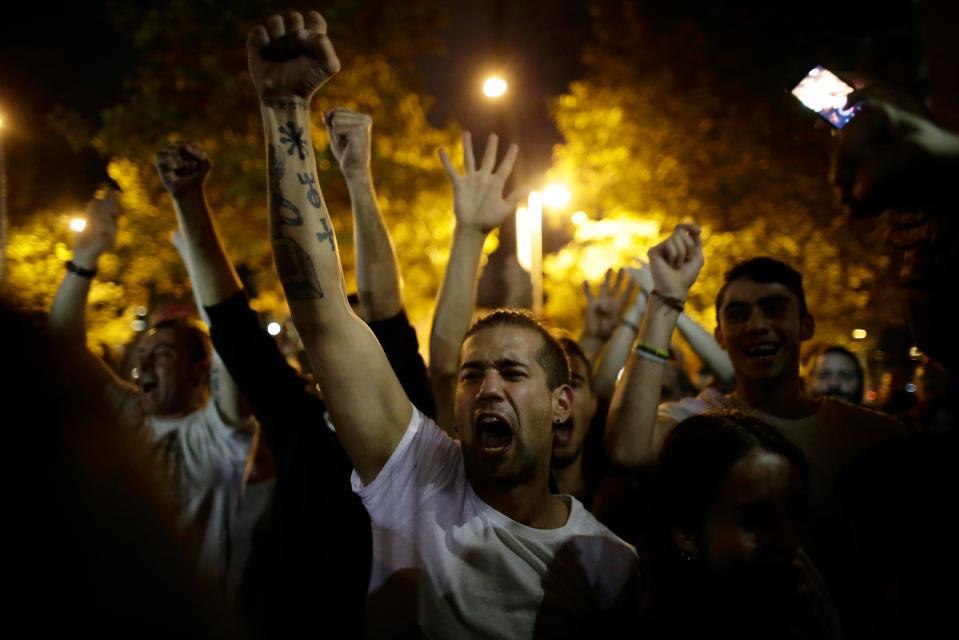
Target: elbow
620	453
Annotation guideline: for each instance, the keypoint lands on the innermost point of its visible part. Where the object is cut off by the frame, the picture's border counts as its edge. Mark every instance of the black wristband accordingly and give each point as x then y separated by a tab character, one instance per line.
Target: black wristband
80	271
671	302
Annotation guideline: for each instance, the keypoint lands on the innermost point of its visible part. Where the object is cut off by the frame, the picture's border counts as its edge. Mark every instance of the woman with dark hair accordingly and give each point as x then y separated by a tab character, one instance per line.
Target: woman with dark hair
730	503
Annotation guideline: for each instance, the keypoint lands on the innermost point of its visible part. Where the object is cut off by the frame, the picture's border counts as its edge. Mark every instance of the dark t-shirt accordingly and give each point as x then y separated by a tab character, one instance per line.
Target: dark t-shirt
310	563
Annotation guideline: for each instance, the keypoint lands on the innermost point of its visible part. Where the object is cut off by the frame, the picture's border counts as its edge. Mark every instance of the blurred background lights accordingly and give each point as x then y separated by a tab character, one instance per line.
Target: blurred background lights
859	334
274	328
78	224
494	87
556	196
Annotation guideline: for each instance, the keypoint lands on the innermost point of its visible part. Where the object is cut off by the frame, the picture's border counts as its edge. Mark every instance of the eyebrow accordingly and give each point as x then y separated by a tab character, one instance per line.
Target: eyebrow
171	345
776	297
503	363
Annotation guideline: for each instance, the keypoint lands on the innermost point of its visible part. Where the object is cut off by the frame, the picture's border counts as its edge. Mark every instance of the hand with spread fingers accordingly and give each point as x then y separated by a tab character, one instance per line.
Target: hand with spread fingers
676	262
605	308
290	56
349	133
183	169
478	201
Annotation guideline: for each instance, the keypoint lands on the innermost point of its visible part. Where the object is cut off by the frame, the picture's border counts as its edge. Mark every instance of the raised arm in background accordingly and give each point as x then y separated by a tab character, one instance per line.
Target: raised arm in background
290	58
603	311
479	207
631	437
183	172
68	312
377	273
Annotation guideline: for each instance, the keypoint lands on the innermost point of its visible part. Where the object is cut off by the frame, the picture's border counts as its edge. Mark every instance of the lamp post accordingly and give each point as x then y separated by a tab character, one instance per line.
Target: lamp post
529	245
3	212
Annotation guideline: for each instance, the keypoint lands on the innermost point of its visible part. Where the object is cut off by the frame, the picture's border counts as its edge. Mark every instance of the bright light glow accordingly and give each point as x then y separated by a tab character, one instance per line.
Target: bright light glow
274	328
579	217
915	353
859	334
910	387
141	311
138	325
556	196
871	395
524	239
494	87
78	224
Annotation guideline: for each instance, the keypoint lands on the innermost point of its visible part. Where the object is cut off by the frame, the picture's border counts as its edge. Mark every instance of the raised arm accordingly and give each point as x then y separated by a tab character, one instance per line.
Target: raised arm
612	358
631	434
479	207
702	342
68	312
183	171
377	272
603	311
289	60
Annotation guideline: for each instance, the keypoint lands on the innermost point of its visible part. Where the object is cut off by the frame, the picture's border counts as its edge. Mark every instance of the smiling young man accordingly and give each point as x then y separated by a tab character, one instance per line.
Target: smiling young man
762	320
467	540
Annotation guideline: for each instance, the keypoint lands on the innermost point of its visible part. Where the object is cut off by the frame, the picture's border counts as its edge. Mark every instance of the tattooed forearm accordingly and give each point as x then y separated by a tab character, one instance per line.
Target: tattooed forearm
311	194
282	210
327	234
292	135
296	270
287	103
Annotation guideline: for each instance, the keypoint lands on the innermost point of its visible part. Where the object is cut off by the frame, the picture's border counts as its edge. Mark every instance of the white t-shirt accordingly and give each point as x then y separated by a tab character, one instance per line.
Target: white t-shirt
204	459
447	565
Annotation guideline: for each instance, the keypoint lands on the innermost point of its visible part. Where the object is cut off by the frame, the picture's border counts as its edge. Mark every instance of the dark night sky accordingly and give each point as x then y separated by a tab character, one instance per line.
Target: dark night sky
77	60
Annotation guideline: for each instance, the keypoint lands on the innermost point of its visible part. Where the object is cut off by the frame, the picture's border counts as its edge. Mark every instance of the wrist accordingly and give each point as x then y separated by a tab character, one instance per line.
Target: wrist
358	178
189	196
469	232
87	260
285	103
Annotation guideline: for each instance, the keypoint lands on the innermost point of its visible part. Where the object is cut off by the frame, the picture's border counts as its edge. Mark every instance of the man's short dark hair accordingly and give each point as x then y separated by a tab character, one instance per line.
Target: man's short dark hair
194	339
765	270
551	355
573	350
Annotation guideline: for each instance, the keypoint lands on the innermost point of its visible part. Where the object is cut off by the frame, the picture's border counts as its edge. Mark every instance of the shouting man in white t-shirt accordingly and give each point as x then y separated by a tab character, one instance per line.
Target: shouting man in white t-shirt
468	542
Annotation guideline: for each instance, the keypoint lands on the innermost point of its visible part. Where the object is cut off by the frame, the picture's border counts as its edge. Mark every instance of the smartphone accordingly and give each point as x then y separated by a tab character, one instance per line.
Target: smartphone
823	92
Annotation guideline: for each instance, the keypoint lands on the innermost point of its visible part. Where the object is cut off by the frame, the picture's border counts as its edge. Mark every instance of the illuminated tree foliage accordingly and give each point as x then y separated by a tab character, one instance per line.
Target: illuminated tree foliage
653	137
193	84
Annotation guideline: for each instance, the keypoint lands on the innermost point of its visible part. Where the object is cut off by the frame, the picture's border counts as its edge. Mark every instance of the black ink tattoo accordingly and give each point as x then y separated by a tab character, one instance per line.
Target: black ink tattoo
327	234
293	136
312	194
282	210
286	103
296	270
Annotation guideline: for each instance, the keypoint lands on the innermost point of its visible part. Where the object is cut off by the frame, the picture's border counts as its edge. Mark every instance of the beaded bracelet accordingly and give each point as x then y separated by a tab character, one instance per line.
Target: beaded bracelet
646	355
671	302
74	268
648	348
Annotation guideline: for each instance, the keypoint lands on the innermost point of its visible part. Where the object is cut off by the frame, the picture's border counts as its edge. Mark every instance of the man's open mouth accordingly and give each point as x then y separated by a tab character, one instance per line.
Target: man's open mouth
493	433
761	350
147	386
562	433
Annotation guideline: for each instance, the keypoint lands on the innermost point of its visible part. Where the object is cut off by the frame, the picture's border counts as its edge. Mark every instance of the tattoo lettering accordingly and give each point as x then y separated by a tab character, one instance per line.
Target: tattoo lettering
312	194
296	270
293	136
286	103
327	234
282	210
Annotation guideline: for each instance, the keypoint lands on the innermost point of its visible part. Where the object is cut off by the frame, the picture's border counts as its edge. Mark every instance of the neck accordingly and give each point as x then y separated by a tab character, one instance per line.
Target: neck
529	503
570	479
781	398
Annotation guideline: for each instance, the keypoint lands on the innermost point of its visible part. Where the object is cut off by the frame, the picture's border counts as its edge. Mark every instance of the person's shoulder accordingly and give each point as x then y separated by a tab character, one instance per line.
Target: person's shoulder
850	414
583	523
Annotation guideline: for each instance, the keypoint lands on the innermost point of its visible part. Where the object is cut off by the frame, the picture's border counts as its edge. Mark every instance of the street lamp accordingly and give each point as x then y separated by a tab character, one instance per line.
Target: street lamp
529	244
556	196
78	224
494	87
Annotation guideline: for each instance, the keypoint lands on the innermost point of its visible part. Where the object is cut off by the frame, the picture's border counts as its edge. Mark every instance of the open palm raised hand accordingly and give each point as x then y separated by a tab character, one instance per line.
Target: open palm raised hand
478	200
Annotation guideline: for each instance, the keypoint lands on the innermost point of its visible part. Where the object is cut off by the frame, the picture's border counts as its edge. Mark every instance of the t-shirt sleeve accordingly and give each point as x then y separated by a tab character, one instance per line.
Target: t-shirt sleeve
425	461
398	339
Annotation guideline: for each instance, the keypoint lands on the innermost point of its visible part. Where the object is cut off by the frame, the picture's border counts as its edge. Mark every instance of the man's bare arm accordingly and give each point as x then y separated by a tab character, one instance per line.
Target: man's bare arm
290	58
377	272
183	171
479	207
631	436
68	318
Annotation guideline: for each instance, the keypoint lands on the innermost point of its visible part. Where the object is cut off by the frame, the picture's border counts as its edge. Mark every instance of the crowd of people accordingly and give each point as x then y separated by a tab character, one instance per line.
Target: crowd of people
524	483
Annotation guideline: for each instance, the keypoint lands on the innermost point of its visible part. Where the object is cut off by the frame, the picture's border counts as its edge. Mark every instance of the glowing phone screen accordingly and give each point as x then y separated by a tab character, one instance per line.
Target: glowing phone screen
823	92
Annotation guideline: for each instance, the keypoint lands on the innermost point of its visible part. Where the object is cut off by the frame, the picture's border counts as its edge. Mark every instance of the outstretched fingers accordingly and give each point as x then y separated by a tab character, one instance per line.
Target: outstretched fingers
506	166
469	160
489	155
